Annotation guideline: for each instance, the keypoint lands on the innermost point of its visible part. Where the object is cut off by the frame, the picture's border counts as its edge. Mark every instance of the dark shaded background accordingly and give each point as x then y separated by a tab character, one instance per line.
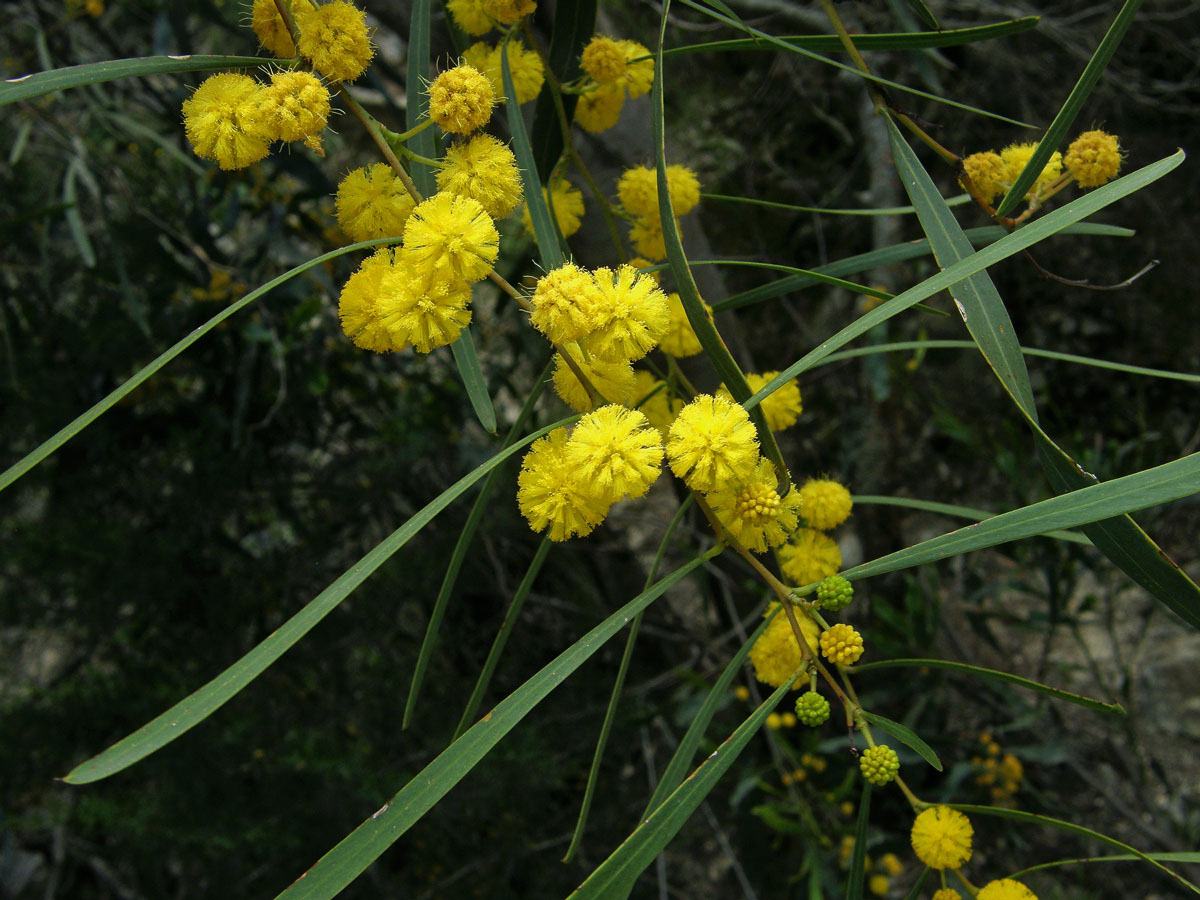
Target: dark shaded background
195	517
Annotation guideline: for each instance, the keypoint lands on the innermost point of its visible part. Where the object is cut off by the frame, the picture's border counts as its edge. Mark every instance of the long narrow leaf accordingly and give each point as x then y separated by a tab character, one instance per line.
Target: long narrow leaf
423	144
27	86
826	43
952	509
983	312
471	374
906	736
15	471
1066	116
1007	246
858	857
1034	819
698	317
1114	709
615	876
346	861
198	706
1184	856
960	200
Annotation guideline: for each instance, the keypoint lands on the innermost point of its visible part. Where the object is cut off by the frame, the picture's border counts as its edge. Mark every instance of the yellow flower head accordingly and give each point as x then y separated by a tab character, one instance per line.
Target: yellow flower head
224	122
947	894
373	203
566	206
358	305
809	556
485	170
646	235
653	398
879	884
712	444
775	655
841	644
891	864
506	12
423	308
599	109
1094	158
616	451
295	105
334	36
1005	889
753	513
551	495
452	235
272	33
614	381
461	99
783	406
879	765
825	503
470	17
637	190
565	303
639	76
526	66
680	340
941	837
631	315
1015	156
603	59
988	173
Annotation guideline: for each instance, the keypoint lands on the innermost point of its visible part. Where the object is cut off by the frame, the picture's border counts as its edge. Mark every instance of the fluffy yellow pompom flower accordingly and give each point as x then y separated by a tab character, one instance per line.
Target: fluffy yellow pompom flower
826	503
841	644
506	12
1005	889
224	122
775	655
599	109
616	451
334	36
783	407
422	308
754	514
485	170
637	190
631	315
551	495
614	381
988	173
295	105
809	556
461	99
526	66
947	894
358	305
879	884
269	27
712	444
1094	158
470	17
452	235
680	340
646	235
639	76
1015	156
566	205
373	203
653	398
941	837
565	304
603	59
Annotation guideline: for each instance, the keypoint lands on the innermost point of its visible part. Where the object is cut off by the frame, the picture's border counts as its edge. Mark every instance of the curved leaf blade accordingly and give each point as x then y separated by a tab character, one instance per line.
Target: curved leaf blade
906	736
198	706
38	83
417	77
471	374
346	861
1114	709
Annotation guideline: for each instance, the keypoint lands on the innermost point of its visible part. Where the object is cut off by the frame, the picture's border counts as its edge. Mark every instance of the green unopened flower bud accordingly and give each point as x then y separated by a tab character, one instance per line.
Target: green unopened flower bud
812	709
879	765
834	593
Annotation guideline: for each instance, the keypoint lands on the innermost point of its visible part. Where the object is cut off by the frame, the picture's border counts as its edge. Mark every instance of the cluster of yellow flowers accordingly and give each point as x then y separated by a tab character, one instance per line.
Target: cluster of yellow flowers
637	190
333	36
941	838
478	17
613	68
1000	774
1092	159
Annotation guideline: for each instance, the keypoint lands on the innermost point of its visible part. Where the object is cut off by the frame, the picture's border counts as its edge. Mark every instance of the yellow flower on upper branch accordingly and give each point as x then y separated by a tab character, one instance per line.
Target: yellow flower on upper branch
295	105
461	99
528	75
373	203
469	15
334	37
223	121
269	27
